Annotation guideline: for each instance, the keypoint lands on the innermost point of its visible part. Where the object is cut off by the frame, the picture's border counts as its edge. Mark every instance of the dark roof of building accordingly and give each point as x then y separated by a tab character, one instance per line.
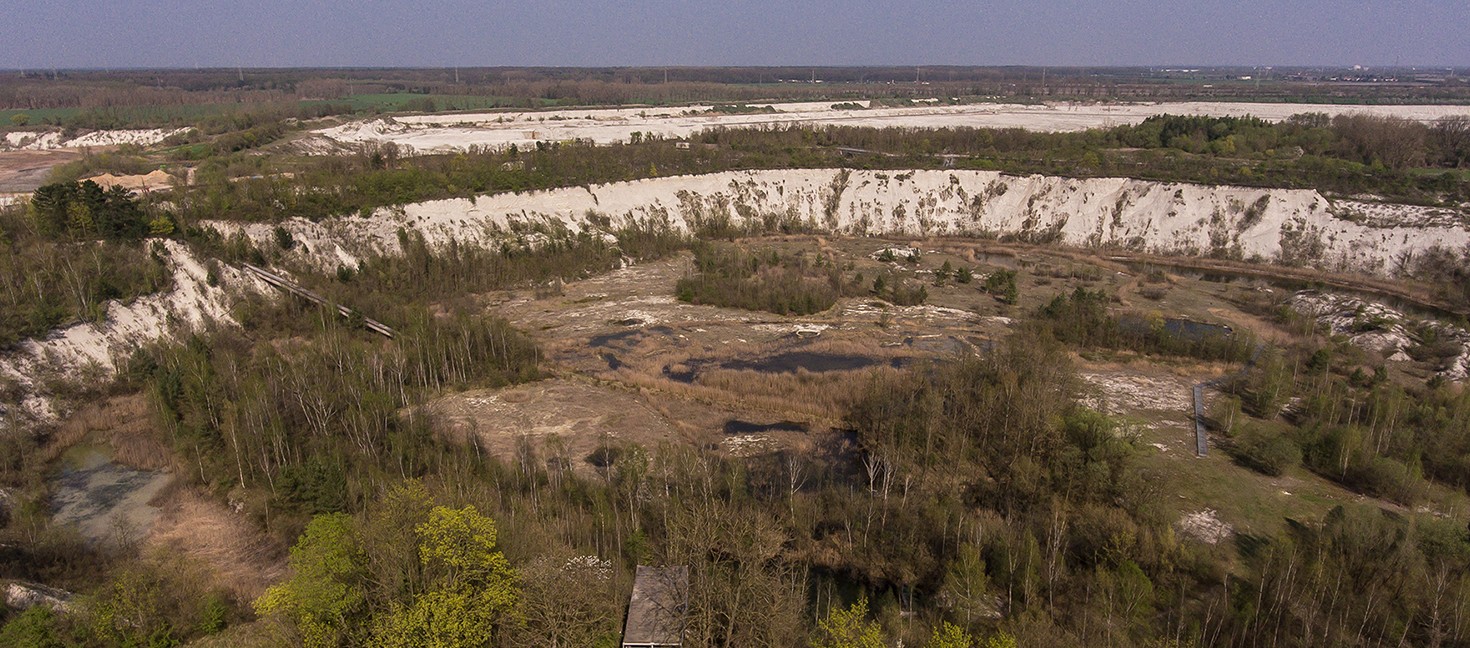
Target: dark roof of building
656	609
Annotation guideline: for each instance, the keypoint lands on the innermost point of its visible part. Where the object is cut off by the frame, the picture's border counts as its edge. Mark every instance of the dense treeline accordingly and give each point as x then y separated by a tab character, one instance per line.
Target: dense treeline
316	426
1350	153
84	210
380	177
70	251
114	90
1084	318
540	258
1351	424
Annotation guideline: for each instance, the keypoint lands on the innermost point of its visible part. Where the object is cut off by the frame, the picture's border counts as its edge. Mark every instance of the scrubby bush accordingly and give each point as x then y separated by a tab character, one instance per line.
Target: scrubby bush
1269	454
762	280
1002	285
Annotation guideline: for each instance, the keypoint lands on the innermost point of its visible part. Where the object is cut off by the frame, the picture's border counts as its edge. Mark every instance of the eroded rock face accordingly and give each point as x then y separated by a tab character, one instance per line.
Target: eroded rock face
56	139
24	596
1383	330
1296	227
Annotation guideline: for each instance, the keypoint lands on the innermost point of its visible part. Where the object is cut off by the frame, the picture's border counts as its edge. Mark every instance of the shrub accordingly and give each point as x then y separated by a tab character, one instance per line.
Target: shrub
1268	454
764	280
1002	284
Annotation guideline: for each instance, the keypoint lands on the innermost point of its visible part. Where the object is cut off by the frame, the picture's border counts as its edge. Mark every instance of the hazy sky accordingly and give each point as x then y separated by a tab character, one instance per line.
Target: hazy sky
173	33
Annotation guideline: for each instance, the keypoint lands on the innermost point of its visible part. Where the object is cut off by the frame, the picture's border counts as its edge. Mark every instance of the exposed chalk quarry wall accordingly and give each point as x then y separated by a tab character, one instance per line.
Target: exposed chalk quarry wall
1298	227
56	139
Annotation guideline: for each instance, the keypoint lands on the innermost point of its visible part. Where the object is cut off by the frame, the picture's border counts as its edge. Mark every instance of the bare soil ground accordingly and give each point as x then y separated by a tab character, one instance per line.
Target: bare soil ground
569	418
23	171
640	366
637	365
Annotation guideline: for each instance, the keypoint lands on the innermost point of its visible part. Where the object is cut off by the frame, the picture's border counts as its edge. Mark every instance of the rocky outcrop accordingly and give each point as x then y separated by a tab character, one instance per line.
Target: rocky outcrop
24	596
1385	331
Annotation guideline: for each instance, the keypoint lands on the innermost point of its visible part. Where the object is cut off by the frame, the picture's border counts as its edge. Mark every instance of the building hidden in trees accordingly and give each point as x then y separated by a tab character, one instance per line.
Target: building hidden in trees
657	608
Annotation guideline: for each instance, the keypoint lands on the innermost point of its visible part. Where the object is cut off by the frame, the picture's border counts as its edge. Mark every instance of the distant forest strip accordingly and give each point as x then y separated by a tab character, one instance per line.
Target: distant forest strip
143	98
1397	159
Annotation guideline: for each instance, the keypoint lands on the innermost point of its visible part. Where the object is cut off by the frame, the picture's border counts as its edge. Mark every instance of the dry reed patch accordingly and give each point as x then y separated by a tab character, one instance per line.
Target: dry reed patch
243	560
125	424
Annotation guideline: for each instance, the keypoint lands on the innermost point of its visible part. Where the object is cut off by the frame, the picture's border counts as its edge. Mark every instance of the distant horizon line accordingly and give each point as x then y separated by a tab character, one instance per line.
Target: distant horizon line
1180	67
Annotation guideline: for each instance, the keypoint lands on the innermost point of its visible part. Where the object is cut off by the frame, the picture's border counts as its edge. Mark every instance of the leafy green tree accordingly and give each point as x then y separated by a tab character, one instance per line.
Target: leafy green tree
849	628
949	635
34	628
161	225
965	591
325	590
472	589
86	210
1000	640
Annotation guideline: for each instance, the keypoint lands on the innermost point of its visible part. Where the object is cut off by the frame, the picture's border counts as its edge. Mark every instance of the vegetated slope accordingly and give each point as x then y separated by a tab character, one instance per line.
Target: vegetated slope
1294	227
92	350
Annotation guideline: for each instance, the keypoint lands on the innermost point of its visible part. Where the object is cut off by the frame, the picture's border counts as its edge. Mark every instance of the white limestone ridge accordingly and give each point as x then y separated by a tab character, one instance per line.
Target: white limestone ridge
1299	227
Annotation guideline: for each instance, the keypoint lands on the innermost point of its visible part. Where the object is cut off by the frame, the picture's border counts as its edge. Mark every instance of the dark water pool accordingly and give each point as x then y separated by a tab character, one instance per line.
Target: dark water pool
813	361
737	426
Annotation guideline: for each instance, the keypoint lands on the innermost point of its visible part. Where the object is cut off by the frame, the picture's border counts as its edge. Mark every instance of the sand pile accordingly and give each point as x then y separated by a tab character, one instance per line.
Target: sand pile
153	180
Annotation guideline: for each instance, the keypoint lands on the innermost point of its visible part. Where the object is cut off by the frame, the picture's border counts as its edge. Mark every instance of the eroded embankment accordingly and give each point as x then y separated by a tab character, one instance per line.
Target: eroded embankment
1295	227
45	140
90	351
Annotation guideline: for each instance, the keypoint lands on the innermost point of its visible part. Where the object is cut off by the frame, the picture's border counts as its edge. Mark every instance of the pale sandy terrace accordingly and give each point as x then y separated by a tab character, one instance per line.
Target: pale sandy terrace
450	132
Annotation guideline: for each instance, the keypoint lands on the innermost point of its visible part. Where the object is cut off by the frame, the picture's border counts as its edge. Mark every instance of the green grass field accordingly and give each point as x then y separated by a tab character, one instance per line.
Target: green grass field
1254	503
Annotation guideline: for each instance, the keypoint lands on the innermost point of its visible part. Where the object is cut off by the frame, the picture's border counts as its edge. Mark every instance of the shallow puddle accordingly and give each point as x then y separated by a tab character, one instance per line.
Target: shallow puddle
106	501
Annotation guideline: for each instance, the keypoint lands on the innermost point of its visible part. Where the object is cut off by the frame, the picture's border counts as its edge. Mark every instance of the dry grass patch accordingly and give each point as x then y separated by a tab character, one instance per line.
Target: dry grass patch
125	424
563	418
243	560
